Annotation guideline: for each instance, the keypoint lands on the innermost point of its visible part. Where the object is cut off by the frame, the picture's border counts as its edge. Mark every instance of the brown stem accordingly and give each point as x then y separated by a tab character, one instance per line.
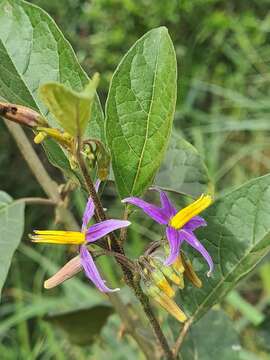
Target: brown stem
181	337
117	247
91	189
99	211
21	115
120	257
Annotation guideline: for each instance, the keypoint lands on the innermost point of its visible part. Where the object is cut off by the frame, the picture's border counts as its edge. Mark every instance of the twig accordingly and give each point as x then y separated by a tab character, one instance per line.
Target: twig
181	337
120	257
36	201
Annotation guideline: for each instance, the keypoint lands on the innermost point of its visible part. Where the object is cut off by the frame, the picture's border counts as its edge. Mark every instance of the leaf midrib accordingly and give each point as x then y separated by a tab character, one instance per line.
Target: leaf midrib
148	117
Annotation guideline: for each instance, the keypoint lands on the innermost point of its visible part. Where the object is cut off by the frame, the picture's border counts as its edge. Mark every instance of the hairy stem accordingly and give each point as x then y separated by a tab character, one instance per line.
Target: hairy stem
117	247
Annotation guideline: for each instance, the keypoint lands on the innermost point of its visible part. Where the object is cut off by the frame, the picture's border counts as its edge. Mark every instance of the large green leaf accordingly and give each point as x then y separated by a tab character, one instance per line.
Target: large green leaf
237	237
11	226
140	109
212	338
183	170
82	325
33	51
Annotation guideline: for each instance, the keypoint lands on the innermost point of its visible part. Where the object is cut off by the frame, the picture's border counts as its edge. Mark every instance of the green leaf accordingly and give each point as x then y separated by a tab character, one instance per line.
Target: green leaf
11	225
140	109
183	170
33	51
82	325
237	237
213	337
71	109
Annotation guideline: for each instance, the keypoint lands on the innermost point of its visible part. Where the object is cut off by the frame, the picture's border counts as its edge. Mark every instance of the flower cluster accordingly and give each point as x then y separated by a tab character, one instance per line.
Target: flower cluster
159	280
156	268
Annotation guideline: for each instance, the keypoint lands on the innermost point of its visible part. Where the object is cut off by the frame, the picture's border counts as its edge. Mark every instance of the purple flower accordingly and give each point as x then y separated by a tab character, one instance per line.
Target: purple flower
179	225
85	236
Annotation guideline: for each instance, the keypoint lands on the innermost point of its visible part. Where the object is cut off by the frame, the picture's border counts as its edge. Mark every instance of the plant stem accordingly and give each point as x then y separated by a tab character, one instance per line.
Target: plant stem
36	201
117	247
181	337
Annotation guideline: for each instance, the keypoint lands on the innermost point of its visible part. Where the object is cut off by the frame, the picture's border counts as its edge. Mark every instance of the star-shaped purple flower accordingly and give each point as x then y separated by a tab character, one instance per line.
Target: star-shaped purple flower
86	236
164	215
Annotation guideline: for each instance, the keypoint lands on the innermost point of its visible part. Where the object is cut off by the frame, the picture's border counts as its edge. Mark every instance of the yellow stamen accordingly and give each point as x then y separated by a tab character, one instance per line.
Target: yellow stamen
186	214
58	237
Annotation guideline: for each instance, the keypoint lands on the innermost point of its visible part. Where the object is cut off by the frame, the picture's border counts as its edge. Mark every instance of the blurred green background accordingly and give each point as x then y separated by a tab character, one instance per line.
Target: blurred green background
223	108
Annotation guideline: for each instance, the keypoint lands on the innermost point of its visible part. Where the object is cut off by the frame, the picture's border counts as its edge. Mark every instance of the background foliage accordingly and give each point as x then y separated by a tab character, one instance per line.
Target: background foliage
222	108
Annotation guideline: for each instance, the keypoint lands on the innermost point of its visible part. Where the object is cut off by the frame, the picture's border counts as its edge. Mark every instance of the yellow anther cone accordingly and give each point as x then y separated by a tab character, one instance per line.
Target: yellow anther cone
58	237
186	214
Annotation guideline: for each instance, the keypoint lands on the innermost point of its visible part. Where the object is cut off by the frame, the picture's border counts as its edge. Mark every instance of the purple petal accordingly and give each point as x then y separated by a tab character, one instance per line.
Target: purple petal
89	209
194	242
91	270
175	242
167	206
153	211
194	223
103	228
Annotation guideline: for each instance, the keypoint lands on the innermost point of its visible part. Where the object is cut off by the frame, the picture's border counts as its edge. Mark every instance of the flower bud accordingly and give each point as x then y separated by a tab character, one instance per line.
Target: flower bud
70	269
190	273
162	283
21	115
62	138
164	301
168	271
